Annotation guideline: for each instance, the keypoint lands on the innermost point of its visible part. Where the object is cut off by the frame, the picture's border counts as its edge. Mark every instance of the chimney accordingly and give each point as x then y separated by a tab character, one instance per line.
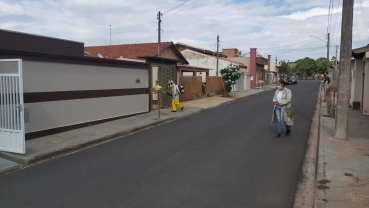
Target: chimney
231	52
253	67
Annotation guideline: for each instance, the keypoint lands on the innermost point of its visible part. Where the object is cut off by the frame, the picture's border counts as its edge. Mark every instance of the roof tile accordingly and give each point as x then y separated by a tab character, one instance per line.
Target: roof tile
132	51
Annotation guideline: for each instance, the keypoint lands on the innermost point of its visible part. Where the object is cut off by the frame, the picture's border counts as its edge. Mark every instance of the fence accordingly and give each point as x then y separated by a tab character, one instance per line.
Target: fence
192	87
214	85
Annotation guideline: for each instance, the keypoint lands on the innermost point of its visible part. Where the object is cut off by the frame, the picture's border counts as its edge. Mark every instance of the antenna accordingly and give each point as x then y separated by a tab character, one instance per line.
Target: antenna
100	56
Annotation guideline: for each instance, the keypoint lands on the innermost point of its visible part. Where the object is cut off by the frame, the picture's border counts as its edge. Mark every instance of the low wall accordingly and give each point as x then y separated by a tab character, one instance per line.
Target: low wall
58	95
65	93
192	87
214	85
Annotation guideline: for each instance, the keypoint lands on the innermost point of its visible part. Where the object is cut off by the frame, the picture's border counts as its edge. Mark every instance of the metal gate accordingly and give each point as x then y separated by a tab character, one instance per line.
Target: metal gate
166	73
12	137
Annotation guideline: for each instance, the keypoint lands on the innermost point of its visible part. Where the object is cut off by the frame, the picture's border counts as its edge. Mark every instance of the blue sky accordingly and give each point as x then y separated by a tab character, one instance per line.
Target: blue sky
280	28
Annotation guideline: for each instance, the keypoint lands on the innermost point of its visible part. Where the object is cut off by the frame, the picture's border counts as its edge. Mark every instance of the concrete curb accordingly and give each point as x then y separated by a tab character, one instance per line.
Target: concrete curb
7	166
88	144
305	194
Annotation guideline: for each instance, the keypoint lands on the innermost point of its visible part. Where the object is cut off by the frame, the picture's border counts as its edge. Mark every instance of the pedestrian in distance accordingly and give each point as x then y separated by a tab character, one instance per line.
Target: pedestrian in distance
283	110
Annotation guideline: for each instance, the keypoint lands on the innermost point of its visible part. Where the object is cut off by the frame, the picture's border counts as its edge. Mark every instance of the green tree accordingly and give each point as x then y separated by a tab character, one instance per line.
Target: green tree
320	59
230	75
322	66
306	66
283	68
239	53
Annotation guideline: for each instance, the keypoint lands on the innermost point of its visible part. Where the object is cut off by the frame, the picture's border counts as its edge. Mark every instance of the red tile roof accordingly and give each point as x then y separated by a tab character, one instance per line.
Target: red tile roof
133	51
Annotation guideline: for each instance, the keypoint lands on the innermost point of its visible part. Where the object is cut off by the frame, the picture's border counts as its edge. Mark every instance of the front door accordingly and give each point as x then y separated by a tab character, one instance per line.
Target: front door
12	138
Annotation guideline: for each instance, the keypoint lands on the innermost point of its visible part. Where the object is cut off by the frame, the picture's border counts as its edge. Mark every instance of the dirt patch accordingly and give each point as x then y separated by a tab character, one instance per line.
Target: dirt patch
322	187
324	181
325	200
348	174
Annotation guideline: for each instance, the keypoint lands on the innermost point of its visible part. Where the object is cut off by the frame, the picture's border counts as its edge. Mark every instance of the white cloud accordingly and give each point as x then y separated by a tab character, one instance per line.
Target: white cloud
311	13
254	23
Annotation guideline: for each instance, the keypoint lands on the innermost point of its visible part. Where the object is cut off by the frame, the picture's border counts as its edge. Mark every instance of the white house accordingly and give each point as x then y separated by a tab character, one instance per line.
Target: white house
203	58
360	79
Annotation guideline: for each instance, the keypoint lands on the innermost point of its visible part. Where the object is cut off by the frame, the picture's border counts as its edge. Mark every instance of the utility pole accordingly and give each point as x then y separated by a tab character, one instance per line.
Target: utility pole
217	55
110	34
334	74
268	75
336	64
110	42
341	127
276	65
328	52
159	33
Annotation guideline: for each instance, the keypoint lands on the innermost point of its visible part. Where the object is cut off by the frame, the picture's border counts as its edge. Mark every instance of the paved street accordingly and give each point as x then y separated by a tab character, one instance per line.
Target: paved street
223	157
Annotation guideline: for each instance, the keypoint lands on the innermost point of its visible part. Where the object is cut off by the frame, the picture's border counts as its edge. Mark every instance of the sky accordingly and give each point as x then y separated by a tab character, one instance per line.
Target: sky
280	28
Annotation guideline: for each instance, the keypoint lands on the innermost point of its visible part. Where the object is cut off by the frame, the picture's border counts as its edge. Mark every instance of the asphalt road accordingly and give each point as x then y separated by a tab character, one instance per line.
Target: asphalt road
223	157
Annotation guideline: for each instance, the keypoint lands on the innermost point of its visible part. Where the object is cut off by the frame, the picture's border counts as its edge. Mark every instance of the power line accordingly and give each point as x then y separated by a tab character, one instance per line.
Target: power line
182	9
113	28
329	14
362	9
175	7
335	16
275	46
134	25
356	43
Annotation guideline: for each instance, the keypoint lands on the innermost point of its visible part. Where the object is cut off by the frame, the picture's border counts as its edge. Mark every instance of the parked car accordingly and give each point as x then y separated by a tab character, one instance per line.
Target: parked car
291	80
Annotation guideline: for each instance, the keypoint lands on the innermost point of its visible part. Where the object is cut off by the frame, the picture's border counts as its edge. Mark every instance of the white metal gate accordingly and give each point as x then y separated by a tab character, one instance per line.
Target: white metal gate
12	138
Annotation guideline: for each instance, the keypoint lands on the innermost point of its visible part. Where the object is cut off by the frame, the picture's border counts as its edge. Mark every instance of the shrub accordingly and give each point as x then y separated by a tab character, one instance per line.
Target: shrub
230	75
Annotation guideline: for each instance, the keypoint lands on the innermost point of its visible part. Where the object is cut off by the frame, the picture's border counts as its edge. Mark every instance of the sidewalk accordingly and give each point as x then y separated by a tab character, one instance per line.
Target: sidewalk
343	166
49	146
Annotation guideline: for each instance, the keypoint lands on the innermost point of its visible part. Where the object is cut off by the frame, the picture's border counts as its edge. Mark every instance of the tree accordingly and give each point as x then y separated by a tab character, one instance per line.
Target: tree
321	59
333	59
283	68
239	53
306	66
230	75
322	66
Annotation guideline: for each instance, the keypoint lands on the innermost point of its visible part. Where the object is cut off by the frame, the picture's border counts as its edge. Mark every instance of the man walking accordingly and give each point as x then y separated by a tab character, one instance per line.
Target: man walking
175	96
326	83
327	80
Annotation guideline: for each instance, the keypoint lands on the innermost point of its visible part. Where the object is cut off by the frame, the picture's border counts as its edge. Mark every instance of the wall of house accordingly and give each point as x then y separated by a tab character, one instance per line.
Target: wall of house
204	61
359	70
231	52
352	81
168	53
366	87
273	67
59	95
244	60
